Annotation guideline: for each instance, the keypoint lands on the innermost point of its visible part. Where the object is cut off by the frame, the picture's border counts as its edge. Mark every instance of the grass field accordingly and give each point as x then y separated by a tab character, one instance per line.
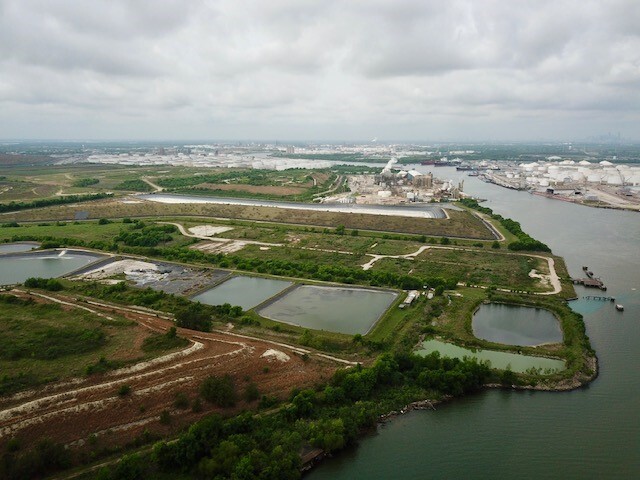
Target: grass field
476	268
460	224
86	231
44	342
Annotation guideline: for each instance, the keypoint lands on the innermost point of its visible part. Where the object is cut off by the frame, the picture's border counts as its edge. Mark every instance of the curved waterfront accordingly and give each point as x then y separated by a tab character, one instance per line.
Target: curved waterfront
588	433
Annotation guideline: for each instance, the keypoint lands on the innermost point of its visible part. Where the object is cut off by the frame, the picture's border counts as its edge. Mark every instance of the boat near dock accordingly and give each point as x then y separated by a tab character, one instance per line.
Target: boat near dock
591	281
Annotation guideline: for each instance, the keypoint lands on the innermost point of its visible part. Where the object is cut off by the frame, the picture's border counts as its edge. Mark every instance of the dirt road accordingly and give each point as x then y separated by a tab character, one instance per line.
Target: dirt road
89	411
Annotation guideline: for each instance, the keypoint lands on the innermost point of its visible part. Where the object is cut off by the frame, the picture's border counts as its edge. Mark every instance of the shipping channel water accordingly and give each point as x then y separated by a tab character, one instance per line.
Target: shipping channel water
590	433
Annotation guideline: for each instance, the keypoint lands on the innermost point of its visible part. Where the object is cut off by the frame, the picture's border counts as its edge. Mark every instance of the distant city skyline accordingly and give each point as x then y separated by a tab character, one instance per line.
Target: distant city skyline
305	71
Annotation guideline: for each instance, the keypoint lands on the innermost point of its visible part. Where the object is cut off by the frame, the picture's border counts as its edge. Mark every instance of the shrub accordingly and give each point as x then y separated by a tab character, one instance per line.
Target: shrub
251	393
219	391
124	390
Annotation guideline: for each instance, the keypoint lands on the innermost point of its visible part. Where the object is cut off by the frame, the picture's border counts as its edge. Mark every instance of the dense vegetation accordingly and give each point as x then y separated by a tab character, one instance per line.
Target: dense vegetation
50	284
192	315
135	185
246	177
141	235
48	202
524	242
85	182
157	342
269	446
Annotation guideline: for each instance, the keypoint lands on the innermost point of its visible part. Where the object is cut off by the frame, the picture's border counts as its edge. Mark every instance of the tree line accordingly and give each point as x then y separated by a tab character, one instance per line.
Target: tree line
48	202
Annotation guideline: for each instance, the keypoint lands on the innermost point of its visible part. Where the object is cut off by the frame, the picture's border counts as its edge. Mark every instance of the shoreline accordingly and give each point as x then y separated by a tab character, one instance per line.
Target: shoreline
565	385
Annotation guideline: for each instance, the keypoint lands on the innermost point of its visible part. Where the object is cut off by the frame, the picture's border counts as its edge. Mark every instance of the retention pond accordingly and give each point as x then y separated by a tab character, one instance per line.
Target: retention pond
16	268
335	309
514	325
246	292
18	247
501	360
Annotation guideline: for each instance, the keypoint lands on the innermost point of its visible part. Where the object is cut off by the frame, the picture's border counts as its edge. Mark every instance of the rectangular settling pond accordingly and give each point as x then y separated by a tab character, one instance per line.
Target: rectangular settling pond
502	360
17	268
246	292
335	309
515	325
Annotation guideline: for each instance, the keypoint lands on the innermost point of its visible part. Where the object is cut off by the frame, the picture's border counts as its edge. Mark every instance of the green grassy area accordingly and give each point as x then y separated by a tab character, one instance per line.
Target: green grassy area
460	224
24	190
101	234
472	267
43	342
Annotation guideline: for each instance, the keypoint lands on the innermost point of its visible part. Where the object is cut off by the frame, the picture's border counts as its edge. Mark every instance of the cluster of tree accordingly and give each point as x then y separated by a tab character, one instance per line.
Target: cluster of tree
85	182
252	177
49	241
46	458
250	446
219	390
141	235
188	314
48	202
524	242
136	185
164	341
301	269
50	284
331	417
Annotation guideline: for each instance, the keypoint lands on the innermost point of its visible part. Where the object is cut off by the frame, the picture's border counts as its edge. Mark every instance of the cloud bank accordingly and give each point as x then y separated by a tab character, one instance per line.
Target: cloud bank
306	70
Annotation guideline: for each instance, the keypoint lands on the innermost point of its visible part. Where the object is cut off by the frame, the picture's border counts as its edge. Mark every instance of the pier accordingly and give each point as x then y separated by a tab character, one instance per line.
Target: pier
590	281
597	297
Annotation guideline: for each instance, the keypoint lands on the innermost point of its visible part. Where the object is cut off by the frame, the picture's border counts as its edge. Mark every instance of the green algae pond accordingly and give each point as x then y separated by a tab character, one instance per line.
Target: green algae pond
502	360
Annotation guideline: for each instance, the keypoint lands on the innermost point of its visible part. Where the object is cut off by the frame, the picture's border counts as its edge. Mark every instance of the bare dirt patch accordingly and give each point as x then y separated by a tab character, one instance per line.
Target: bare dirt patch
208	230
213	247
264	189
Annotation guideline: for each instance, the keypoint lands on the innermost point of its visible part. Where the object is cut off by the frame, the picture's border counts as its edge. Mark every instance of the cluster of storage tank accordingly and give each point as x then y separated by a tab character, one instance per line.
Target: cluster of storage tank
568	171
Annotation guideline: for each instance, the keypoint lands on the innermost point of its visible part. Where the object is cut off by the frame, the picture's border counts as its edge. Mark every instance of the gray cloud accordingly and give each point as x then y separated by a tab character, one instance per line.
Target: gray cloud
303	69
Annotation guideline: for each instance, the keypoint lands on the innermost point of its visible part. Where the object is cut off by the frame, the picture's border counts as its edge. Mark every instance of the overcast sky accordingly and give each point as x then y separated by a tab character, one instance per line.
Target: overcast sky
310	70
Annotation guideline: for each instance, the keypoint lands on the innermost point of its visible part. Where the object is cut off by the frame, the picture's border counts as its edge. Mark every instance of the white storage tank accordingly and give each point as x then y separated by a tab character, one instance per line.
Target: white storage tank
594	178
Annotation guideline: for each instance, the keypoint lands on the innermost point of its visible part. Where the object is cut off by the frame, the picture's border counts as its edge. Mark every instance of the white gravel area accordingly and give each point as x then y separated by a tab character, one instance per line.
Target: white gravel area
272	354
116	268
208	230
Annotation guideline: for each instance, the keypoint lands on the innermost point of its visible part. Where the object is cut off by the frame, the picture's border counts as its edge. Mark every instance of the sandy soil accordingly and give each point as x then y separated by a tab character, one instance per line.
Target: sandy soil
208	230
211	247
117	268
70	412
